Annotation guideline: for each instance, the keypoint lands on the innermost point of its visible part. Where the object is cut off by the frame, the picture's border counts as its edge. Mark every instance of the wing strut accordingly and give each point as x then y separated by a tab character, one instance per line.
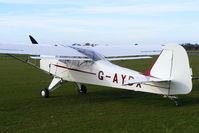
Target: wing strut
27	61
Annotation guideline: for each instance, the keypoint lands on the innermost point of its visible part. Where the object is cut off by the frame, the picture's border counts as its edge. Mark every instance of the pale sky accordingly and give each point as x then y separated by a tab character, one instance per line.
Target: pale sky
115	22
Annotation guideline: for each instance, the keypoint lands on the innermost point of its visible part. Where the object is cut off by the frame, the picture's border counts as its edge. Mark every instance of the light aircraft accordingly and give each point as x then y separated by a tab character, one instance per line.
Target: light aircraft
170	75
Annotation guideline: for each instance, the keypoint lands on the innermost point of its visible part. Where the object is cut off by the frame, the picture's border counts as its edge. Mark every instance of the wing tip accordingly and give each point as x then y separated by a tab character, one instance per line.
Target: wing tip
33	40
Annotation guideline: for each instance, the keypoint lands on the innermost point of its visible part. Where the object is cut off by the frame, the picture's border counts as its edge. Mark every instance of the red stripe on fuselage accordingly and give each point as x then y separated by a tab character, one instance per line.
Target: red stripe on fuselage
75	70
148	73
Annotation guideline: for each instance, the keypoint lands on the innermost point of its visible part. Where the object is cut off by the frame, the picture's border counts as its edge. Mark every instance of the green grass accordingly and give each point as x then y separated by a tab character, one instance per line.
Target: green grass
102	110
193	51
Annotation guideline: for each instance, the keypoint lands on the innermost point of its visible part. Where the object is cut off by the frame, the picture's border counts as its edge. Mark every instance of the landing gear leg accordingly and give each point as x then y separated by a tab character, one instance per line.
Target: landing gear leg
81	88
53	85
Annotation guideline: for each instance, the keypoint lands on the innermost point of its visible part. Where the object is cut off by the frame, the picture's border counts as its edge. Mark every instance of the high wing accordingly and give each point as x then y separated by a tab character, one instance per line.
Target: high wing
60	52
126	50
50	50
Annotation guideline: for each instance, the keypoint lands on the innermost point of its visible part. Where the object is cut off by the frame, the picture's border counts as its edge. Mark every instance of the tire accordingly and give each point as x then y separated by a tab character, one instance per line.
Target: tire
83	89
44	93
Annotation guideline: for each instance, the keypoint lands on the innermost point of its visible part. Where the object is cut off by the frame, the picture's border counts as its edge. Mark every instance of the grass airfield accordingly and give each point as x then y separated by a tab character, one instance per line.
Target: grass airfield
102	110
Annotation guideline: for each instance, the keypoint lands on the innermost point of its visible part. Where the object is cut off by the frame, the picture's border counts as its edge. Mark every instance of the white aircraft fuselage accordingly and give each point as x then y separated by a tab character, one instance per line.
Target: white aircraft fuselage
101	73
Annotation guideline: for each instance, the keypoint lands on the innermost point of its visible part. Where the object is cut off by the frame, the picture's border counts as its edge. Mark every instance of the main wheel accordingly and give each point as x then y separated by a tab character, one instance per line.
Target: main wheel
83	89
44	92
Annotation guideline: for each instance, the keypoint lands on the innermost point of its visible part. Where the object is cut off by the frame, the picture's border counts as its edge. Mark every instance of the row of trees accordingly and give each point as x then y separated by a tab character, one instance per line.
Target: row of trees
187	46
86	44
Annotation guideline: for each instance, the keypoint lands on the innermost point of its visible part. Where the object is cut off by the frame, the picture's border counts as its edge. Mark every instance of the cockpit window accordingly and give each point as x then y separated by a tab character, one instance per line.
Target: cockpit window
90	53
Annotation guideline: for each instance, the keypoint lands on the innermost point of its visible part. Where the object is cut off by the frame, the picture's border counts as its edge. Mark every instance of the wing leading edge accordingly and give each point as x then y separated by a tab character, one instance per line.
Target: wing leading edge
126	50
39	50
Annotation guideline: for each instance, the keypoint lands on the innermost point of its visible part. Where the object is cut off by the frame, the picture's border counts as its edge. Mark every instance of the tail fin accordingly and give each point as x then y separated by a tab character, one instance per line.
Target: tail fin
173	65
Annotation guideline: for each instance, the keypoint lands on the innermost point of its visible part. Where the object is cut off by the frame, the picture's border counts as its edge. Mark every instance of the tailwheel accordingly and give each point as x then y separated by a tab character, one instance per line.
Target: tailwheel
83	89
44	93
174	99
176	103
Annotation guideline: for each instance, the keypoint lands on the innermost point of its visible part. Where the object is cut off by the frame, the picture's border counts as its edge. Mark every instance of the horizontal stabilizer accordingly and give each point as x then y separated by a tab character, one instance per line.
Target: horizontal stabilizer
146	80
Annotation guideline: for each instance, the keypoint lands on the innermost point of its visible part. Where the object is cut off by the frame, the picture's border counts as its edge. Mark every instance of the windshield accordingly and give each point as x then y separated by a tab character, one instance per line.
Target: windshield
90	53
